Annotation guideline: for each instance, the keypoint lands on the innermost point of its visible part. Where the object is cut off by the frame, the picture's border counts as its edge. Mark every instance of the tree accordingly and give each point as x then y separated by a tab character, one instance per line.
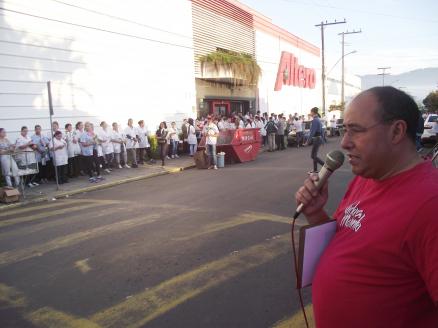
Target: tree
339	107
431	101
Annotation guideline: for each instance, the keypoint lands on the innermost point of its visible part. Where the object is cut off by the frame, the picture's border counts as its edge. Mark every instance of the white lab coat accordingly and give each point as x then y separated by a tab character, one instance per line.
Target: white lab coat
298	126
77	146
107	145
173	134
222	125
143	136
115	135
130	133
69	137
25	156
192	136
9	167
61	155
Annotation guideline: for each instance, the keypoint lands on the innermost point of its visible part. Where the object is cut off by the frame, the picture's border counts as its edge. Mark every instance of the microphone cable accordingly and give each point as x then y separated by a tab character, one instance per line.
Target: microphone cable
300	295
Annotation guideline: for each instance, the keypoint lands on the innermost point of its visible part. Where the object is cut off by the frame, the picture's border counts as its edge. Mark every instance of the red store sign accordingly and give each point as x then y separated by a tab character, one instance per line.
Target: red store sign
291	73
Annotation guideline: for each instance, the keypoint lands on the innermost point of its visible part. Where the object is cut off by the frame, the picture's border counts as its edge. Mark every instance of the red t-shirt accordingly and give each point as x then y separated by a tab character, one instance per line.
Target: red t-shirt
381	268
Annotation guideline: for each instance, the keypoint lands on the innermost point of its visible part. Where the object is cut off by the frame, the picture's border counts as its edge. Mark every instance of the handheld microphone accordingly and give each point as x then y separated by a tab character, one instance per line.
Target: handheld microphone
333	161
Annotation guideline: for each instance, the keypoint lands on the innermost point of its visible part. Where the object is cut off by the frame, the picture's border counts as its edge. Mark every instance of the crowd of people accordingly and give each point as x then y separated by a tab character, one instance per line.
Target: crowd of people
83	149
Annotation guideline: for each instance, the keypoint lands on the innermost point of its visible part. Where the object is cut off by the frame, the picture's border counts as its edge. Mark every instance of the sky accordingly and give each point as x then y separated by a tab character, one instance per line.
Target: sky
402	35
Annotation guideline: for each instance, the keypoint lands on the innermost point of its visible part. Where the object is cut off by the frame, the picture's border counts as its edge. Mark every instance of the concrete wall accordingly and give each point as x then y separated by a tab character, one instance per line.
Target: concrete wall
96	75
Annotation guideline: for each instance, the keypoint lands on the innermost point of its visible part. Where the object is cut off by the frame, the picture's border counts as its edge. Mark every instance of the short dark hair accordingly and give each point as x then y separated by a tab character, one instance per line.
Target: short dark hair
315	110
67	125
397	105
23	128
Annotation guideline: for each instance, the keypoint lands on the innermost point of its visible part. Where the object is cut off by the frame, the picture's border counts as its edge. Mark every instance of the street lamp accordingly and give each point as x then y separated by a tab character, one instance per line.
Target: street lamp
331	69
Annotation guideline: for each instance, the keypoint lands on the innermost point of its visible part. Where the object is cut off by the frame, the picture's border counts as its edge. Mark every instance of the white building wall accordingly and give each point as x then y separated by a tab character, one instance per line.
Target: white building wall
96	75
290	99
352	86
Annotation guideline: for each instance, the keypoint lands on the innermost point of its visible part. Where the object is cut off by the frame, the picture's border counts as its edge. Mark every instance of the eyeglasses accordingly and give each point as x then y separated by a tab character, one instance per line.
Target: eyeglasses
353	130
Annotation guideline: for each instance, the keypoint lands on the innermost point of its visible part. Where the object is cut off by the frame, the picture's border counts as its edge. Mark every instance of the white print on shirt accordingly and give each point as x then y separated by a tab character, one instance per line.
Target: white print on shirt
353	217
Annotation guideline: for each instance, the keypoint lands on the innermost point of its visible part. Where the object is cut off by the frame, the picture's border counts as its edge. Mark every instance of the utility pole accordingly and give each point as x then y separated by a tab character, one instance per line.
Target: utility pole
343	64
322	25
383	73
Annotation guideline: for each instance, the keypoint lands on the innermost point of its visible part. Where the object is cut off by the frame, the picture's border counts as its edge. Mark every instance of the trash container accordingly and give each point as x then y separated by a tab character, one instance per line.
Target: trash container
241	145
221	159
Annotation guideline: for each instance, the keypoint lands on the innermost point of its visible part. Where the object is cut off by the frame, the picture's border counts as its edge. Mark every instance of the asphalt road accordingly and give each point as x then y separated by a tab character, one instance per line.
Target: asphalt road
194	249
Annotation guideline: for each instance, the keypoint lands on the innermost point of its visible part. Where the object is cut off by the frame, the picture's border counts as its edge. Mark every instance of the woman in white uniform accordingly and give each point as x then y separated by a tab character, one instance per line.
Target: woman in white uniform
191	139
174	140
143	142
79	130
72	145
59	148
131	142
119	145
9	167
26	156
107	145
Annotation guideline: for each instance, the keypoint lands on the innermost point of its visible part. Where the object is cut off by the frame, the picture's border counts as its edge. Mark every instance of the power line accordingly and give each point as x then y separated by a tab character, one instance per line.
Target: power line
92	28
95	28
42	58
119	18
361	11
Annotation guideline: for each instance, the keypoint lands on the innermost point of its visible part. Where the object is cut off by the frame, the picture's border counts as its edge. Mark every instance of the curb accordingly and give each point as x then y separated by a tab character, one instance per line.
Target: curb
96	187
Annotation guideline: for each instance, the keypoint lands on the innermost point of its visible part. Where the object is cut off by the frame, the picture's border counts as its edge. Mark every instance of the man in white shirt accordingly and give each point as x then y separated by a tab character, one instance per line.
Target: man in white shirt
333	126
143	142
211	132
298	127
222	124
131	142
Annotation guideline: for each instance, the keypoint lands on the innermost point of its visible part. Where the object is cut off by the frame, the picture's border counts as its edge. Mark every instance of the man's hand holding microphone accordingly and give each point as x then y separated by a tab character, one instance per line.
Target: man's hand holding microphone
312	196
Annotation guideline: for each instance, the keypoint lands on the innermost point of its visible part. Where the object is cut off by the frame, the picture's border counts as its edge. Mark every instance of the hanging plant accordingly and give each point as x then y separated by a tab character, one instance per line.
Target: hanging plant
240	64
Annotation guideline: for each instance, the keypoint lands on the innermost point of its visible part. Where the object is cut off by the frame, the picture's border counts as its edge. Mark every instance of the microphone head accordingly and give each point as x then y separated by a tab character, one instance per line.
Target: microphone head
334	160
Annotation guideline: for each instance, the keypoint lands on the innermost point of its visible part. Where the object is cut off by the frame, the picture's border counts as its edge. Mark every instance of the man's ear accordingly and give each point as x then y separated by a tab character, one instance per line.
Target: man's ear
398	130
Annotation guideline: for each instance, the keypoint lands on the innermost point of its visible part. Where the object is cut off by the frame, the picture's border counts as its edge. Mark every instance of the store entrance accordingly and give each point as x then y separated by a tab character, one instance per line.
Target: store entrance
221	108
228	107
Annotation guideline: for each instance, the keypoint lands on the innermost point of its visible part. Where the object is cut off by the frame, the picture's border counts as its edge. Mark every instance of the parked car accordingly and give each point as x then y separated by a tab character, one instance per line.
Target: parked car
292	135
338	129
429	135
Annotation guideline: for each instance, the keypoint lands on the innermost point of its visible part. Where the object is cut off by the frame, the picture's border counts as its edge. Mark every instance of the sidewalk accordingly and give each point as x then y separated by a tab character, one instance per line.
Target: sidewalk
46	192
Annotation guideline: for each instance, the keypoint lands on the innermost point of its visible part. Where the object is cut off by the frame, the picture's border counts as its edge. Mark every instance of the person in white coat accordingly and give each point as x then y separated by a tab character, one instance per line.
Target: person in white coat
7	161
88	142
59	148
131	142
26	156
42	155
261	126
191	138
119	145
77	133
98	150
222	124
143	143
298	127
107	145
72	145
174	139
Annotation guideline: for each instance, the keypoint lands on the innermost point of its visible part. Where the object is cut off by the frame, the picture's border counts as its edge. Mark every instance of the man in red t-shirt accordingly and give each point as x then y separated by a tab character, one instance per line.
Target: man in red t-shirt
381	267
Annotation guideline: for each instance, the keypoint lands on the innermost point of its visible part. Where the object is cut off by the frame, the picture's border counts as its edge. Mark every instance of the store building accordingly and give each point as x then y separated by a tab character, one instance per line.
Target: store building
151	60
289	81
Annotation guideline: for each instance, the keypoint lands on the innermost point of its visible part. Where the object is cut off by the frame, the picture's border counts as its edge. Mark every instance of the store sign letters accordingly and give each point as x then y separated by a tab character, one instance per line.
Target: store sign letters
291	73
